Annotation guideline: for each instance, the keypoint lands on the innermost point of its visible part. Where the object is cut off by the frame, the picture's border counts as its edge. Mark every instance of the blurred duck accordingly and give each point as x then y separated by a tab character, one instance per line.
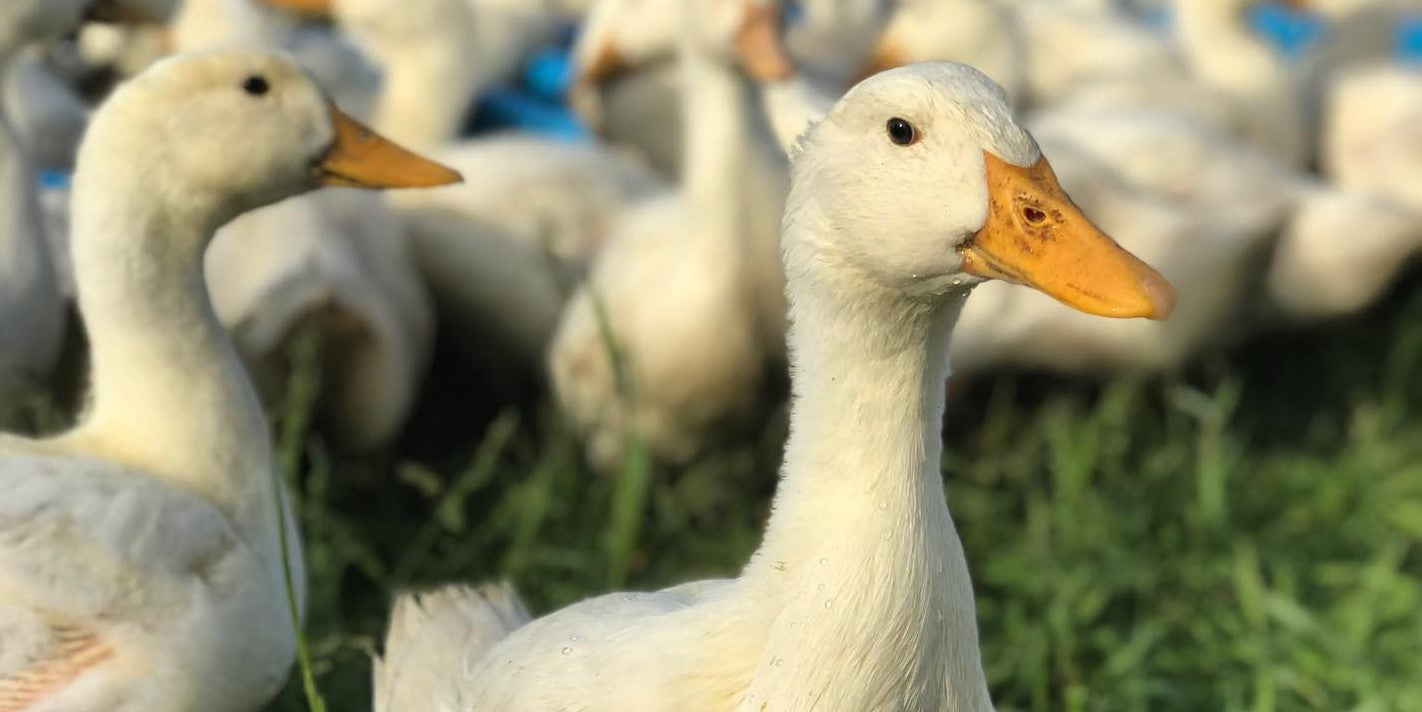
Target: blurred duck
32	298
504	33
1073	45
668	340
916	187
46	114
31	305
1247	74
979	33
1372	154
628	87
1373	235
1373	131
500	251
1216	70
141	551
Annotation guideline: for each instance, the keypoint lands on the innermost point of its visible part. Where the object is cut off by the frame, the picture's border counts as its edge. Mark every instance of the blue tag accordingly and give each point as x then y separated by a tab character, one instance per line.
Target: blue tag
1293	32
52	180
1409	39
549	73
504	108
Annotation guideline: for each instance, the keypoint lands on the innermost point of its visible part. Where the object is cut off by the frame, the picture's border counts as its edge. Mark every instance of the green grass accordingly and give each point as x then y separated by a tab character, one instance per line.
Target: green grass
1244	535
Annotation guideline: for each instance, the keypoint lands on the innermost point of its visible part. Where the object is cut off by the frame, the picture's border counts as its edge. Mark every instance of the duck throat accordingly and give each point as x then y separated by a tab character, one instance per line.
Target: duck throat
868	601
426	93
169	395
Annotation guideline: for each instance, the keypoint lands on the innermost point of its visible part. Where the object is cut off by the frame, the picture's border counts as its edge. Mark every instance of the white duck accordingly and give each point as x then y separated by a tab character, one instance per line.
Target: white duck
1372	136
628	83
916	186
500	251
32	300
46	113
1305	280
668	339
979	33
1372	153
334	261
1072	45
141	555
1260	88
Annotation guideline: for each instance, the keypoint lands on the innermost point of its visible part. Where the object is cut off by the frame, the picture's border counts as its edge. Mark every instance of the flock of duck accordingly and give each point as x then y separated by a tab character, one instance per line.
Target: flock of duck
823	191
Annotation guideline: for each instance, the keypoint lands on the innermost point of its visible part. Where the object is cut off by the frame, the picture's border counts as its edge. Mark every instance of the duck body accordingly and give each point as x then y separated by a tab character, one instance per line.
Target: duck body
1371	153
675	384
154	578
334	263
503	251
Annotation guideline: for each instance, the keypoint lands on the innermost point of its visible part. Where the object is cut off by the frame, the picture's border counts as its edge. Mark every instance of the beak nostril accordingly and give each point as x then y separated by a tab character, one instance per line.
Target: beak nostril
1033	215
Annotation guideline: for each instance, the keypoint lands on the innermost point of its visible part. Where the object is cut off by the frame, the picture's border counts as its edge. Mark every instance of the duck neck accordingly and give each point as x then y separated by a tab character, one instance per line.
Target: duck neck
860	553
169	394
714	104
429	86
1219	46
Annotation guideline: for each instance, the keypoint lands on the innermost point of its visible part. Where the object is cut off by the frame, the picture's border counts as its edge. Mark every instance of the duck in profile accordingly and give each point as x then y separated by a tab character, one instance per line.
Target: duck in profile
917	186
141	553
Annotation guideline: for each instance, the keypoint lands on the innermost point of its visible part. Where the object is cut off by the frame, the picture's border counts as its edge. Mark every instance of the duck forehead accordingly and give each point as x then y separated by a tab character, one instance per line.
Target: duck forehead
945	97
218	69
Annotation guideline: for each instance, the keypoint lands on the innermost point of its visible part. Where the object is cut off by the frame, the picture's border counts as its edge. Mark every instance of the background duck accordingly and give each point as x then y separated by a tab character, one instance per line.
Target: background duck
32	297
501	252
670	336
142	551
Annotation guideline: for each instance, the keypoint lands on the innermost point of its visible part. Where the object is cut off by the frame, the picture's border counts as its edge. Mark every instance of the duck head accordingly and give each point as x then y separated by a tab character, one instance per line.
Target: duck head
920	181
213	135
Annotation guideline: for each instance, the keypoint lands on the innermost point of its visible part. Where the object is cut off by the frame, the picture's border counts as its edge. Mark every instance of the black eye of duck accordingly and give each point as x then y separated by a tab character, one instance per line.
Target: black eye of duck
901	132
256	85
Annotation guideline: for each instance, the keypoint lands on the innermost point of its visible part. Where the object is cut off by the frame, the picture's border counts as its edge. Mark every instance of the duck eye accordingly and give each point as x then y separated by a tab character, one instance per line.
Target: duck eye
256	85
902	132
1033	215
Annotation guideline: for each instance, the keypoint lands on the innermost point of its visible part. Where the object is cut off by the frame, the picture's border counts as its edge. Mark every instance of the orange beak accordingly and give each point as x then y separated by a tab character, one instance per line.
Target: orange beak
758	44
605	64
1035	235
307	8
361	158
